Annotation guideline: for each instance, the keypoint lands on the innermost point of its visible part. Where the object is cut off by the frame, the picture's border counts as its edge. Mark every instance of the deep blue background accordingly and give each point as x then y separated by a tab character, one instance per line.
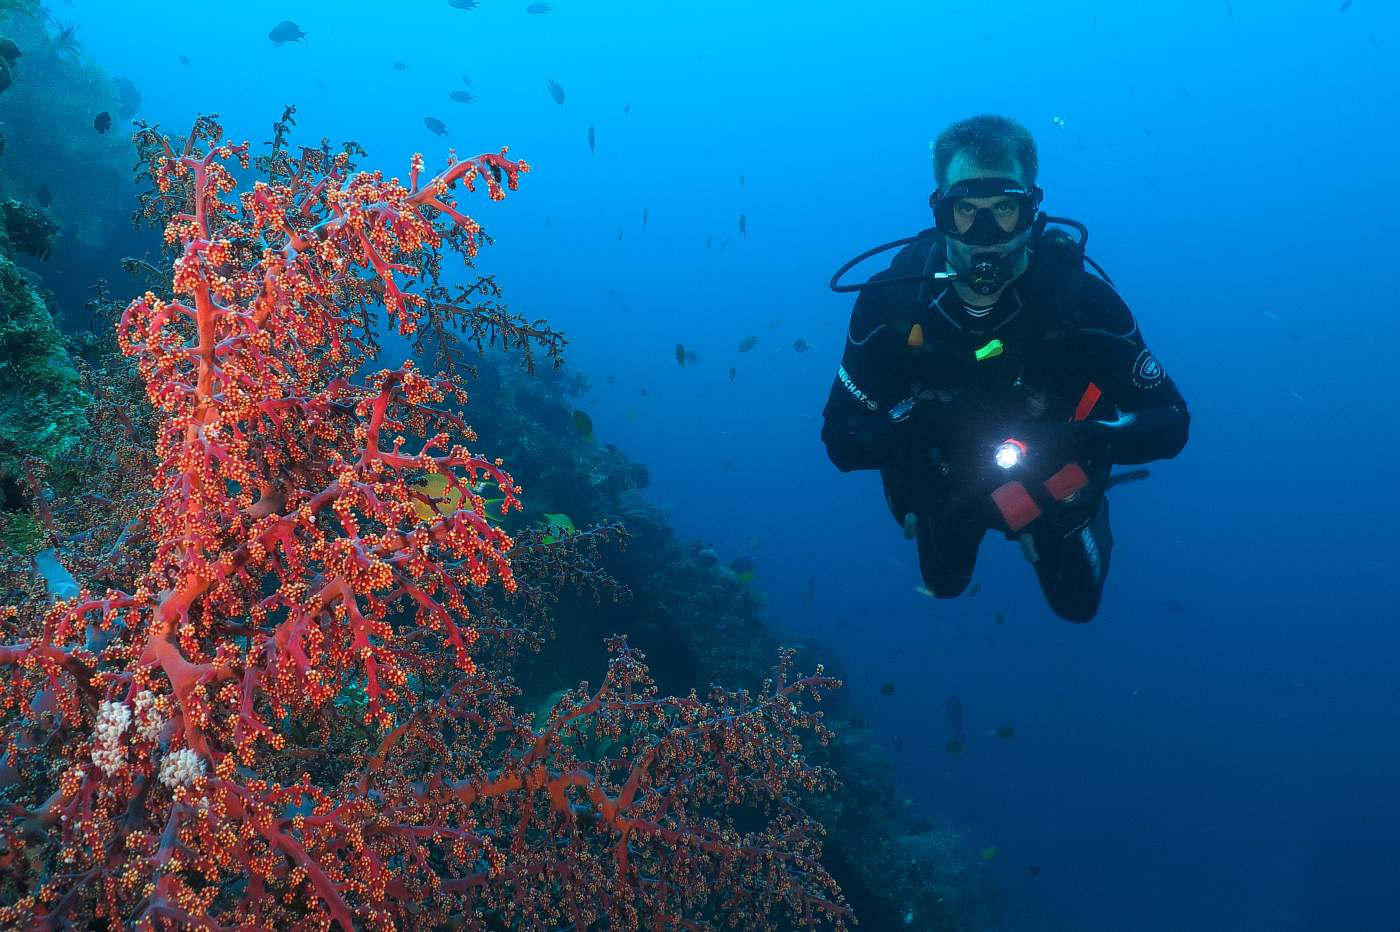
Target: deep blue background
1223	761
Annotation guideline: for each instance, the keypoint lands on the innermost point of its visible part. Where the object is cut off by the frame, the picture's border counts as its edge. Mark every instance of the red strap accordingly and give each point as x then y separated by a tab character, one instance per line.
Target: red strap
1066	482
1015	505
1087	401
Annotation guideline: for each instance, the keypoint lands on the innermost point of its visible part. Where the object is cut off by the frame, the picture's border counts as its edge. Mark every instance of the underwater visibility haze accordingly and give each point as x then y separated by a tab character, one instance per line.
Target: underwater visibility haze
419	442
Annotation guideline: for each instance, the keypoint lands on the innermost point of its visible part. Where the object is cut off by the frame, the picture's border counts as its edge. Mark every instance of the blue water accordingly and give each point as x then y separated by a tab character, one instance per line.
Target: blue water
1217	751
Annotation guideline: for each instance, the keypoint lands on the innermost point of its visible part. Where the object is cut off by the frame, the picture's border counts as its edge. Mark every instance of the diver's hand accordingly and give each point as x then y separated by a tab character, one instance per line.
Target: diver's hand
1052	444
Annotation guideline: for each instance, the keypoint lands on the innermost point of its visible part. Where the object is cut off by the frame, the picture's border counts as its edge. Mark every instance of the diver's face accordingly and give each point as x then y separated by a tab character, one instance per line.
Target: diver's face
1006	210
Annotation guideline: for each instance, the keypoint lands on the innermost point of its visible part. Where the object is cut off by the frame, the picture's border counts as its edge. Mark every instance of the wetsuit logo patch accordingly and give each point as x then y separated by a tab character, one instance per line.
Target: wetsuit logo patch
1147	371
856	393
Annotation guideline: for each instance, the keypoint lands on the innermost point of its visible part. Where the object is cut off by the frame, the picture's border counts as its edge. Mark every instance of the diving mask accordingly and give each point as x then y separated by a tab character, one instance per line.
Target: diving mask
1012	214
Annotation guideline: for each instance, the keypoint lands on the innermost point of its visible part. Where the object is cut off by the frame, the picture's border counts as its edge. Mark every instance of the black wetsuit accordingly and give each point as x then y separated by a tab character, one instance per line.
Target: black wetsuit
1062	329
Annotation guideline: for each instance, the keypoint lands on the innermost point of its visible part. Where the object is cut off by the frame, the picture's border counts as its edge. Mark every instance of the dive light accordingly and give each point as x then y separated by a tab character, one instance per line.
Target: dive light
1010	453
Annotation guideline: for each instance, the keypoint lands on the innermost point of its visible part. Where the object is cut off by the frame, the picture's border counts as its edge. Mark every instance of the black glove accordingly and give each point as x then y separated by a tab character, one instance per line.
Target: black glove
1052	444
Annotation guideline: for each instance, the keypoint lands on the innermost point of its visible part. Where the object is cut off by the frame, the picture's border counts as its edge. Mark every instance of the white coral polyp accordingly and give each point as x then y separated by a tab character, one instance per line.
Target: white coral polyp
113	719
149	721
181	768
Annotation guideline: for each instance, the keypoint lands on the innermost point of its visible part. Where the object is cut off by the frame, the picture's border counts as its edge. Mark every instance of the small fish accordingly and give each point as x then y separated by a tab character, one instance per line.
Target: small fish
743	225
436	126
462	97
184	61
286	31
646	394
1033	870
989	853
955	745
612	380
43	195
644	218
466	80
626	109
557	527
898	743
887	689
631	414
556	91
582	423
102	122
692	357
775	323
535	9
619	234
747	576
464	4
741	179
548	223
680	355
400	65
1005	732
1175	606
1001	618
703	54
976	588
709	239
732	373
747	343
1374	41
802	346
1346	5
1058	121
592	138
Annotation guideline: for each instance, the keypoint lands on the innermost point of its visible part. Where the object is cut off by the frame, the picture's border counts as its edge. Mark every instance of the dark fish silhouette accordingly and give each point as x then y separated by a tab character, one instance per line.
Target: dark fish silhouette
680	350
887	689
1346	5
400	65
627	108
466	80
436	125
184	61
43	195
644	218
286	31
802	346
535	9
747	343
1033	870
102	122
954	710
592	138
556	91
462	97
464	4
743	225
582	423
741	179
732	373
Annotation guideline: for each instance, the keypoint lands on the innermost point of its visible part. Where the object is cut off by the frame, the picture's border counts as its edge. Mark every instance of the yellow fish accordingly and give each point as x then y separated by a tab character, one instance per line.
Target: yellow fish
435	484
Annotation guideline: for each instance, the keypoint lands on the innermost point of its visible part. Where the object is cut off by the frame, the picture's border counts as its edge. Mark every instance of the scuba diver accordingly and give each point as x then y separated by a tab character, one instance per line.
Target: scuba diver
994	381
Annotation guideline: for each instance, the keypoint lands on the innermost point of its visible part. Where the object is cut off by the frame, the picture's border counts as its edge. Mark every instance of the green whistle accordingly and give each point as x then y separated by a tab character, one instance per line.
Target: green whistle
993	348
